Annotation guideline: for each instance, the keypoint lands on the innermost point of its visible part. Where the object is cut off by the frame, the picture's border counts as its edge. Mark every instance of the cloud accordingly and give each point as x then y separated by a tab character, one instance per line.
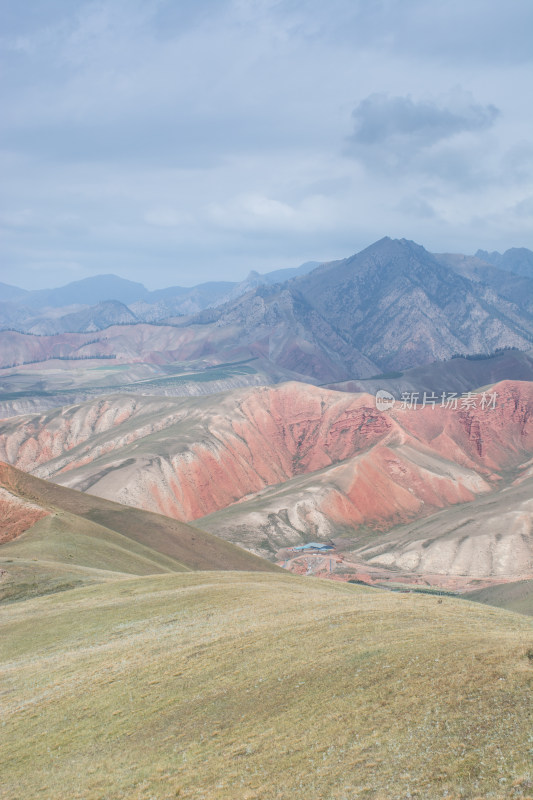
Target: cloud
395	130
470	33
196	140
524	209
441	141
166	217
416	206
255	212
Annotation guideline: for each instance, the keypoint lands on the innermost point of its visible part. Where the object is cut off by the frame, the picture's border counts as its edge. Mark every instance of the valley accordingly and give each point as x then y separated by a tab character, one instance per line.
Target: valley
266	400
410	491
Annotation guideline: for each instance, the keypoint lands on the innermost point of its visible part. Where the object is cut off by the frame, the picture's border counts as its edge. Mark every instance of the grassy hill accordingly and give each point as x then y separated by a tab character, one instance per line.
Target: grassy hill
84	539
248	685
517	596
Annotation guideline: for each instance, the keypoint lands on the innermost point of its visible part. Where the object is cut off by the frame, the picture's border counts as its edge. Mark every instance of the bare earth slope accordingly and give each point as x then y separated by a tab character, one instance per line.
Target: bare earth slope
490	536
16	515
278	466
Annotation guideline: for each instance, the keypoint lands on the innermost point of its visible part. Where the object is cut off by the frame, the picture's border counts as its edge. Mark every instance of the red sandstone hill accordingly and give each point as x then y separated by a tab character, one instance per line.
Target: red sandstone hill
278	465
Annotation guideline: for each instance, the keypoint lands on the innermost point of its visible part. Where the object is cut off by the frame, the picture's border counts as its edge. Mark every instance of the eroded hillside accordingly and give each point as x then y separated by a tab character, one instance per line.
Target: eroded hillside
276	466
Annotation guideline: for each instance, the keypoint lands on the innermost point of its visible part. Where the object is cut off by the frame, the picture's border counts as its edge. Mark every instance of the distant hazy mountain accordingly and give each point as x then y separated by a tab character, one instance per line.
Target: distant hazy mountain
36	311
88	291
280	275
94	318
516	288
518	260
9	293
254	279
177	300
393	306
14	315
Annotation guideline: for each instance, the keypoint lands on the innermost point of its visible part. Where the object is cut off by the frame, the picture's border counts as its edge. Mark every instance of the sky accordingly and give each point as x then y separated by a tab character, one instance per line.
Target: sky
179	141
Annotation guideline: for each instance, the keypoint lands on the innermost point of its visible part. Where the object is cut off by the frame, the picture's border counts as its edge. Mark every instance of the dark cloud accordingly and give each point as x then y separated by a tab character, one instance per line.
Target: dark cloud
380	120
401	135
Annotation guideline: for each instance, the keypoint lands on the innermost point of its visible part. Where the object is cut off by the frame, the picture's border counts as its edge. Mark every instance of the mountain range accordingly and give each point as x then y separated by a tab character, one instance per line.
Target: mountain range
518	260
282	457
394	306
78	306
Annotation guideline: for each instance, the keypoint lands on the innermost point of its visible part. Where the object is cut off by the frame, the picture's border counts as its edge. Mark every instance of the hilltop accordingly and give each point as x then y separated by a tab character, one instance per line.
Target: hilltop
224	685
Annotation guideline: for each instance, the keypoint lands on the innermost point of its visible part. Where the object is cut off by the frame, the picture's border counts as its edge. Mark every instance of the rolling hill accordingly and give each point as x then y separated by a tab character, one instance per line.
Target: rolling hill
223	685
511	596
55	538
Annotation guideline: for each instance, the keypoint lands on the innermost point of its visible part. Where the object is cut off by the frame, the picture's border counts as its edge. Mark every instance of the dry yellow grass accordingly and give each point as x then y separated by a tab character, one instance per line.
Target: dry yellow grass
249	685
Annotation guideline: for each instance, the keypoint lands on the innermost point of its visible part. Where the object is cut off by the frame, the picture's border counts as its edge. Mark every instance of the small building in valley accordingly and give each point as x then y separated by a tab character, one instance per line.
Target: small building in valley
318	546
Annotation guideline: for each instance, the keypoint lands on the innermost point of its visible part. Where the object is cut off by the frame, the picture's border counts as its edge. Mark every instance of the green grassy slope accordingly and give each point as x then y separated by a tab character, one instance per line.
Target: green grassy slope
119	537
69	539
62	551
512	596
24	579
247	685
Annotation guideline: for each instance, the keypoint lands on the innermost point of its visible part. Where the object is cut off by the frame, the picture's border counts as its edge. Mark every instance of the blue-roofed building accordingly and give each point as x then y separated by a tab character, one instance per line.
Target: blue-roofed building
314	546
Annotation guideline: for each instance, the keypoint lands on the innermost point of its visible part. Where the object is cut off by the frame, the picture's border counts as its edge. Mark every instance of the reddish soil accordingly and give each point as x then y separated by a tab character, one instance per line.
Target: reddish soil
391	466
293	429
337	567
16	516
490	438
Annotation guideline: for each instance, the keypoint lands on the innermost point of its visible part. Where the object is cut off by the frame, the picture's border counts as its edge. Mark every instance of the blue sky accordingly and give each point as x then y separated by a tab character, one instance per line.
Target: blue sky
174	142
